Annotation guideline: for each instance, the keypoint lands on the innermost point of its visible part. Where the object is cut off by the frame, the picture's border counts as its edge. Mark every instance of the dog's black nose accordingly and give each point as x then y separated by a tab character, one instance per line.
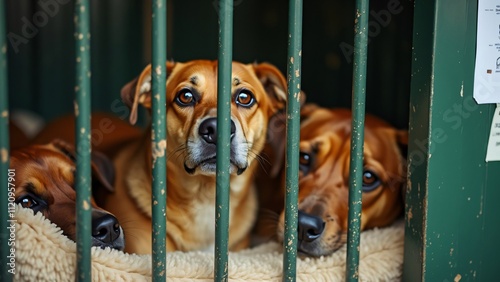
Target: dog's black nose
310	227
208	130
105	228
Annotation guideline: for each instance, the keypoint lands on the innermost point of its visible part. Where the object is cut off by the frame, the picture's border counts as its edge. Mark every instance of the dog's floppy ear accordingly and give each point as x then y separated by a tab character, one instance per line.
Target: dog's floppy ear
276	135
274	83
102	168
65	148
402	140
306	110
138	91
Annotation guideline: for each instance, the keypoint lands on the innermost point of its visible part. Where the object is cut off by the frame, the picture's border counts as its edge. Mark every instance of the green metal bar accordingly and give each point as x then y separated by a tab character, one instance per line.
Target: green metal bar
5	222
159	138
293	139
223	137
357	138
82	137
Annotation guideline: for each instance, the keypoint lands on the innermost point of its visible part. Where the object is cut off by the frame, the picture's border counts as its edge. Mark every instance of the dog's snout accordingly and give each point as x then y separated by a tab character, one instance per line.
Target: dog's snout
208	130
310	227
105	228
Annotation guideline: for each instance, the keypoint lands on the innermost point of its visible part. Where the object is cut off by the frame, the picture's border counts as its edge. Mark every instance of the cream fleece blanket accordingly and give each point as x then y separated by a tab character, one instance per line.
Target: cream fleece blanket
44	254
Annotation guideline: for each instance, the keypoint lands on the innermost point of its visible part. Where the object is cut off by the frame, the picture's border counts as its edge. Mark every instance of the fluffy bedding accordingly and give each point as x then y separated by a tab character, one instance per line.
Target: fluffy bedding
44	254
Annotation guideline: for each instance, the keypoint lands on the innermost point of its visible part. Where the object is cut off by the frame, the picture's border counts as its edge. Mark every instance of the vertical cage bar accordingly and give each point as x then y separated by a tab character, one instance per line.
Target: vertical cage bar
82	137
159	141
223	136
5	275
357	138
293	139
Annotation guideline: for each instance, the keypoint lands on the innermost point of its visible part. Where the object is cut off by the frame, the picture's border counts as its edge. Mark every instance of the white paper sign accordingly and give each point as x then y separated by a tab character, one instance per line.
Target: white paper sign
487	71
493	151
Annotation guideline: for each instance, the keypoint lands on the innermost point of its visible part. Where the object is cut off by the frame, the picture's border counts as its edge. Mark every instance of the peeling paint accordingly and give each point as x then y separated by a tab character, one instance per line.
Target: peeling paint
86	205
158	149
457	278
5	155
158	70
5	114
291	60
82	130
4	49
77	109
410	215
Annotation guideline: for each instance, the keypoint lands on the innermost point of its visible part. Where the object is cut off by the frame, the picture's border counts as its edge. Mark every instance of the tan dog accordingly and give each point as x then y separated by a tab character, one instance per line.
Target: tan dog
324	179
258	91
44	181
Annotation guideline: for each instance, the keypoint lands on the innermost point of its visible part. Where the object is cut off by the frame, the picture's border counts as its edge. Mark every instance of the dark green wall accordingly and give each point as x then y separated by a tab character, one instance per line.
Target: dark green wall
41	60
41	73
452	216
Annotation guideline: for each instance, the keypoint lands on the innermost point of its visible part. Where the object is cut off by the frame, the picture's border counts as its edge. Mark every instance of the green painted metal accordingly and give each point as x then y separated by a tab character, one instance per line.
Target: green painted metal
82	136
293	139
223	139
451	199
5	173
357	138
159	138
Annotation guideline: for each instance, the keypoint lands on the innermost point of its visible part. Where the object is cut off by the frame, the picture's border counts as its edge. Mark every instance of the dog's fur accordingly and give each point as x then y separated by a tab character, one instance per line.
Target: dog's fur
44	181
17	137
324	179
108	132
191	108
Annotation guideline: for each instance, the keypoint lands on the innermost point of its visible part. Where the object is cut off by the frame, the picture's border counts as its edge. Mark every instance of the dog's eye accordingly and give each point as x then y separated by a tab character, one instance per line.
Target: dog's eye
185	98
304	162
27	202
245	99
370	181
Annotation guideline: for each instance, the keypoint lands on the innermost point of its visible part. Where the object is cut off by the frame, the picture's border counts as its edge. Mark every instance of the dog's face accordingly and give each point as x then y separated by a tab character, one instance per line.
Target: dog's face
257	91
45	183
324	178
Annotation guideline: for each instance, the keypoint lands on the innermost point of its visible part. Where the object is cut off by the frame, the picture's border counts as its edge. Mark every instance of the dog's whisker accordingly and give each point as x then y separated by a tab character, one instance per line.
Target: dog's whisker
177	151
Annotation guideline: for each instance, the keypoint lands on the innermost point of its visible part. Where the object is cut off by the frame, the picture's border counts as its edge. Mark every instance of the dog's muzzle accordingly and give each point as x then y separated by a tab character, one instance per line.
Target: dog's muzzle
203	153
106	231
310	229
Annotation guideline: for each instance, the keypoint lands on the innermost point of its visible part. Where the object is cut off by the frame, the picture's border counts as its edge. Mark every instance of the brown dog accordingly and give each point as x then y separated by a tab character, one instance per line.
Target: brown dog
324	179
108	132
258	91
44	181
